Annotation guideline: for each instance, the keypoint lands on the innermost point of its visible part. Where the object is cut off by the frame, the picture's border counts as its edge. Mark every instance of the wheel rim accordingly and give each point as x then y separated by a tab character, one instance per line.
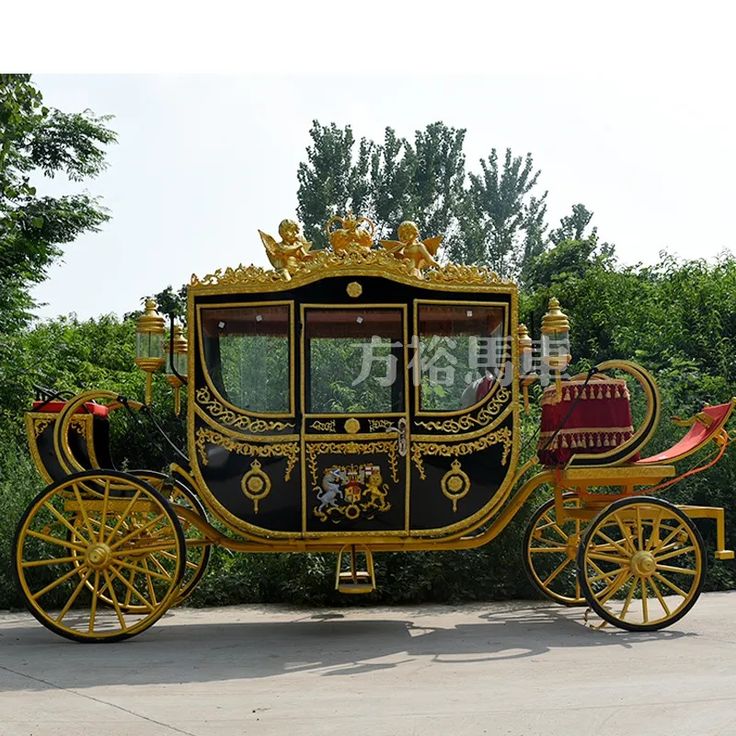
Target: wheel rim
551	550
642	564
99	538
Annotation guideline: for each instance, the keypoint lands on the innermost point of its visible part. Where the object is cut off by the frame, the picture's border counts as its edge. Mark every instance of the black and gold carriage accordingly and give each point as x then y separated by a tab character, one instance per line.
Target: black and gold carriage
359	399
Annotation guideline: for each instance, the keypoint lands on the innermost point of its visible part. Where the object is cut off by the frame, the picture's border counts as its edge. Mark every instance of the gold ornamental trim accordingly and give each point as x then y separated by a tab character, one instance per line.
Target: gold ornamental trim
455	484
327	263
323	426
468	421
442	449
256	484
289	450
217	410
387	447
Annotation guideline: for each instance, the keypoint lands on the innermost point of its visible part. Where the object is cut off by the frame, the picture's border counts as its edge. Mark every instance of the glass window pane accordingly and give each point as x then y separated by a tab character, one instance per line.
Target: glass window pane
247	355
461	352
354	361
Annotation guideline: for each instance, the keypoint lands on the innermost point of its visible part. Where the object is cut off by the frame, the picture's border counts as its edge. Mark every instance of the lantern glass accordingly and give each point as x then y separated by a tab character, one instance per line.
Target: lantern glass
149	345
180	363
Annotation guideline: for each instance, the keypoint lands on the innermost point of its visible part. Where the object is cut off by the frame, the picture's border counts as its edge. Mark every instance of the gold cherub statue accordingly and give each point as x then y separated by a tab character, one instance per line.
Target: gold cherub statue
352	235
410	248
286	256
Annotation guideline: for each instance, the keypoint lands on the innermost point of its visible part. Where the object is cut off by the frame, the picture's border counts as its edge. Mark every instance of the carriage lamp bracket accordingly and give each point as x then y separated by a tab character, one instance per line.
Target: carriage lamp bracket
149	413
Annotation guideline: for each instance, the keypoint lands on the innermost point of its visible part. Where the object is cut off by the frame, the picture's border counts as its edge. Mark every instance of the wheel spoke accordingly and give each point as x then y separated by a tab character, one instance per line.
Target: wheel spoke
614	587
93	605
629	597
659	595
49	561
670	585
655	530
626	534
670	536
556	572
151	591
65	522
556	550
143	570
678	570
85	517
124	515
644	601
114	599
137	532
73	596
128	551
674	553
621	549
74	571
103	515
620	561
131	589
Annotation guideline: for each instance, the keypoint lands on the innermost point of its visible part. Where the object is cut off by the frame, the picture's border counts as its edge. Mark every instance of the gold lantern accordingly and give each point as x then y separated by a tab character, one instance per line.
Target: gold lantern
556	342
176	364
149	344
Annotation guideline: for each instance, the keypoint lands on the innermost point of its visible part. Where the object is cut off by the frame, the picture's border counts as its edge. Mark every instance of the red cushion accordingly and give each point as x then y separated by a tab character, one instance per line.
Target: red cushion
56	407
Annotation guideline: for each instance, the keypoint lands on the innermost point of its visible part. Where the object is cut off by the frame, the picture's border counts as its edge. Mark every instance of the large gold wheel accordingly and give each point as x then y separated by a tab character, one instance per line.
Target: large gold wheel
641	564
550	553
99	537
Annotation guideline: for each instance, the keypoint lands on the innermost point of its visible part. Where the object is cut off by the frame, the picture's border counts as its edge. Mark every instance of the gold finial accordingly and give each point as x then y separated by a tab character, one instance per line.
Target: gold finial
356	233
409	247
287	255
555	321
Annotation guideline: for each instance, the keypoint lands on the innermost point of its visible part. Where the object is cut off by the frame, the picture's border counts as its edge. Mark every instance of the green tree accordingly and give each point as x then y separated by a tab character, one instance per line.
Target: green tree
36	142
389	181
495	218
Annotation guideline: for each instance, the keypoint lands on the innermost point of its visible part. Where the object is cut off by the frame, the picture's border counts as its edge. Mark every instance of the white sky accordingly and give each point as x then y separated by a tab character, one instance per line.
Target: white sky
628	108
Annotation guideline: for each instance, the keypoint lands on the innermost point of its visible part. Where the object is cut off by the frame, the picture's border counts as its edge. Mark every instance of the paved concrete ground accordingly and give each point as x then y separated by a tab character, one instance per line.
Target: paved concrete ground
509	668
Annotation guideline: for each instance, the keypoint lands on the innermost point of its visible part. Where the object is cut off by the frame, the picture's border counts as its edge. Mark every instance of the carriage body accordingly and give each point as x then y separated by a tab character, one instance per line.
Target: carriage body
286	442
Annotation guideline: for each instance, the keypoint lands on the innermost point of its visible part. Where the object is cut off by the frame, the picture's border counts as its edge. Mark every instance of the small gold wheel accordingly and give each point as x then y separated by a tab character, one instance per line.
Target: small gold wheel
99	537
641	564
550	553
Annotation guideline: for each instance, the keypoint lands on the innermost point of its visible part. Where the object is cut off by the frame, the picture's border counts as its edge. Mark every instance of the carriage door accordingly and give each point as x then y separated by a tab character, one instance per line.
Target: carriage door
355	418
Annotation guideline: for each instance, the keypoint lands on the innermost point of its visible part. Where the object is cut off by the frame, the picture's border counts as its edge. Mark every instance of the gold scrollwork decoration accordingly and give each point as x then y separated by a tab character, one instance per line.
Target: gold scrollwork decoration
40	425
227	416
380	262
256	484
289	450
467	421
324	426
441	449
376	425
388	447
455	484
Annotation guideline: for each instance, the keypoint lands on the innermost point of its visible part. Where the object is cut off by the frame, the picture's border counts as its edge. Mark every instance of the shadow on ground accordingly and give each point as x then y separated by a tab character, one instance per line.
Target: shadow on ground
327	644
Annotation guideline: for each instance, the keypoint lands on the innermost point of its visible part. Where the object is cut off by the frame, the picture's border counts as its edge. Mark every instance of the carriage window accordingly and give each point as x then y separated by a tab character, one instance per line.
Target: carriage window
354	361
247	355
461	350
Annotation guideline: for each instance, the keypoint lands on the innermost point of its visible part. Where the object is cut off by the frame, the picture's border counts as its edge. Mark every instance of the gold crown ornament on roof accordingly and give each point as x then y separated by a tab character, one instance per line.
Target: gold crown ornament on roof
356	233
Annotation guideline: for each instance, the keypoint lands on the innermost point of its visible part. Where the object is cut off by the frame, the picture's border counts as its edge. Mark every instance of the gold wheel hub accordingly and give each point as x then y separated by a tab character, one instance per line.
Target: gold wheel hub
98	556
643	564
